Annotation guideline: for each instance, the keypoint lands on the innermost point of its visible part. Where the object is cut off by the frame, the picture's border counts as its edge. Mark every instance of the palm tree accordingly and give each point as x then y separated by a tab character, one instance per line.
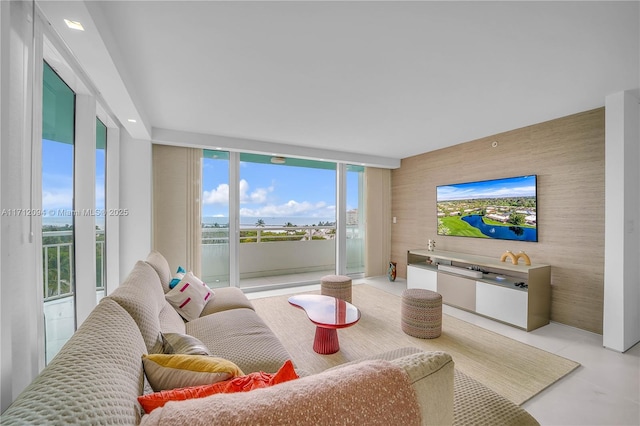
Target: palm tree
260	222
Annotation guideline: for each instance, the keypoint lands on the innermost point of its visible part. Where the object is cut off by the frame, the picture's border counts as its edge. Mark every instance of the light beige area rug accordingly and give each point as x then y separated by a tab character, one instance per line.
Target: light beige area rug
512	369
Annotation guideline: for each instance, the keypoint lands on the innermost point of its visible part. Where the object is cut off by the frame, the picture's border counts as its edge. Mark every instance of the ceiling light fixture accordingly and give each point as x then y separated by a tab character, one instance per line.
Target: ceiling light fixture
131	120
74	25
278	160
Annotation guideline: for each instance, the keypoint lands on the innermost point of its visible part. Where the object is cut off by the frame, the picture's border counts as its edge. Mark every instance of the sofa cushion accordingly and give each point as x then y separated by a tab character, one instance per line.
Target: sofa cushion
178	343
244	383
95	378
189	296
141	295
358	394
178	370
170	320
159	263
241	336
226	298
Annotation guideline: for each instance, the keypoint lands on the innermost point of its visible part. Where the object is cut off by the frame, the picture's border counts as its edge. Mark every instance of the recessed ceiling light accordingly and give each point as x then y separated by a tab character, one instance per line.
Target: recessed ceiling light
131	120
74	25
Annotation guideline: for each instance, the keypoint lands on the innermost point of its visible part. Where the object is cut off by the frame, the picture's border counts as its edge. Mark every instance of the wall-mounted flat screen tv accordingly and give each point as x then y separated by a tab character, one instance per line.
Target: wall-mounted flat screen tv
502	209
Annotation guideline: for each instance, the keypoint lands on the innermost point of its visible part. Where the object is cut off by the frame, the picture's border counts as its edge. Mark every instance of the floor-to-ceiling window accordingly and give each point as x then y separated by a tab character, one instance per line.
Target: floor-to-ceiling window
101	190
287	215
271	221
355	224
58	117
215	218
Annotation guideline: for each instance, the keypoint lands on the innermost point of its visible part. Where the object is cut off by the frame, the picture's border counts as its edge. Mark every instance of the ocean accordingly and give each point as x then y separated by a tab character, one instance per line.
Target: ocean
250	222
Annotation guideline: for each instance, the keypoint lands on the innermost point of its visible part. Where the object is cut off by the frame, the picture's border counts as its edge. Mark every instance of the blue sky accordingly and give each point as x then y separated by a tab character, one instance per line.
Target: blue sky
57	176
523	186
275	191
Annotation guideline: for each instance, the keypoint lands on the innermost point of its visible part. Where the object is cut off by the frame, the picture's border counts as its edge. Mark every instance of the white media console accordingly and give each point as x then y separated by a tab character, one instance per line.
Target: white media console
518	295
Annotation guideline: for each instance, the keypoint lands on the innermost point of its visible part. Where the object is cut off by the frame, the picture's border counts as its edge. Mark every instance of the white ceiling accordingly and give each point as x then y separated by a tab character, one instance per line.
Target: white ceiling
386	79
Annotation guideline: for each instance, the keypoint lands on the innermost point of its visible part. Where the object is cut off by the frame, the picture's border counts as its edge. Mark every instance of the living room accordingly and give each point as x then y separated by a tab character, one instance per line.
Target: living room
569	127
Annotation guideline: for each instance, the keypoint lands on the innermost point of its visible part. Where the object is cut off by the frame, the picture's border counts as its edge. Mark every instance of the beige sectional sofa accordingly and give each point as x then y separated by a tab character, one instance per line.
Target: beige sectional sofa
98	375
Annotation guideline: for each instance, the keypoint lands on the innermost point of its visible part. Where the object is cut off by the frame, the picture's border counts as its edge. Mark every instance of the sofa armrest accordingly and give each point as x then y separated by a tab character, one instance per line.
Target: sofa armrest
432	375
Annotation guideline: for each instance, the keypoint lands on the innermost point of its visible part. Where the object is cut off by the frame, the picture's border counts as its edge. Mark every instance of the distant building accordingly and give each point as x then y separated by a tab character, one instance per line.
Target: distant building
498	217
352	217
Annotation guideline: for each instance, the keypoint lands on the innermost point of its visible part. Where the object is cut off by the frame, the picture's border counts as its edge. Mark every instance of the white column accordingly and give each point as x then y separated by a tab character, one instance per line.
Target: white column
135	197
84	203
112	222
621	322
234	219
341	218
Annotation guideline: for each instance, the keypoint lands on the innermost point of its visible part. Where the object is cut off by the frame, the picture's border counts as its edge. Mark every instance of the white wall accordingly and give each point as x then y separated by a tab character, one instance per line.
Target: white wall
135	197
621	325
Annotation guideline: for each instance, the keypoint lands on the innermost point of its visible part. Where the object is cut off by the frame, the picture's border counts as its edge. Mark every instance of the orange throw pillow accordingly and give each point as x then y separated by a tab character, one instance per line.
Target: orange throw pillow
239	384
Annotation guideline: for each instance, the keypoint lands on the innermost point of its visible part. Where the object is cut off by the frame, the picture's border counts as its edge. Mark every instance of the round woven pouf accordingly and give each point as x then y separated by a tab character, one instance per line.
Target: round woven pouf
421	313
338	286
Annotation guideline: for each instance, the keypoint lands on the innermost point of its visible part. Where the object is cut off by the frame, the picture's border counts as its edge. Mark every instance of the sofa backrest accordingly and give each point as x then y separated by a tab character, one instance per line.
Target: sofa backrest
95	378
142	296
161	266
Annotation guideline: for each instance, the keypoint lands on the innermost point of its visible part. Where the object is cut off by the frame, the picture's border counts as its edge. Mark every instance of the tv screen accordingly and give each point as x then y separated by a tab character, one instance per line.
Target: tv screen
502	209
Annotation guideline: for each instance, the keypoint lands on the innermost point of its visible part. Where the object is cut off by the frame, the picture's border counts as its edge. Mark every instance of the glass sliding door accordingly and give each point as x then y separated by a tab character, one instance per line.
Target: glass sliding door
215	218
58	134
101	190
287	220
355	234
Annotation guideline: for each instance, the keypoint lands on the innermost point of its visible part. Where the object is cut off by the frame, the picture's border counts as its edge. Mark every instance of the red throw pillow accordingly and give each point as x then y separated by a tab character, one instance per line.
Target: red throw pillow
239	384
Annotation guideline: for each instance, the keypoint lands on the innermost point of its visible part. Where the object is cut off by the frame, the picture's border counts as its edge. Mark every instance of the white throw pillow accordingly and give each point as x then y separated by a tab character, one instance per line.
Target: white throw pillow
189	296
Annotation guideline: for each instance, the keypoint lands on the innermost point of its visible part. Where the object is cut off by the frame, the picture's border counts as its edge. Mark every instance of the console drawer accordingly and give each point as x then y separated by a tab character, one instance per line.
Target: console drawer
457	291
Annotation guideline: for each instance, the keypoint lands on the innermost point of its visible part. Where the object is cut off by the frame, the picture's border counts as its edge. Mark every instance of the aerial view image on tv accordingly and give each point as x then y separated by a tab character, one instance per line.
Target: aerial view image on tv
503	209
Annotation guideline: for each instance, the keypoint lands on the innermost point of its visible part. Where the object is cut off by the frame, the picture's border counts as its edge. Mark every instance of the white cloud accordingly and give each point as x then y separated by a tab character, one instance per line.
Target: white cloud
219	195
291	208
258	196
59	198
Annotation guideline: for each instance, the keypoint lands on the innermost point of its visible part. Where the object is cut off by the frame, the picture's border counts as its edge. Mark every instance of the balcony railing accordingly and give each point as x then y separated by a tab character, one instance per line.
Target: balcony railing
211	235
277	251
57	256
58	252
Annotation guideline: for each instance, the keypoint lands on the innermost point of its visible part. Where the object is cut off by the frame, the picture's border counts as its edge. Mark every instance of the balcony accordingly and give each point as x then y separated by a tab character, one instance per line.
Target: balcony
278	256
269	257
59	285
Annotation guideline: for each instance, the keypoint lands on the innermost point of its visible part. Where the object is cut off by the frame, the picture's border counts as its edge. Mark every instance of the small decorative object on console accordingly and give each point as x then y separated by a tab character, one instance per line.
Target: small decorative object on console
523	255
431	245
510	255
515	257
391	272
